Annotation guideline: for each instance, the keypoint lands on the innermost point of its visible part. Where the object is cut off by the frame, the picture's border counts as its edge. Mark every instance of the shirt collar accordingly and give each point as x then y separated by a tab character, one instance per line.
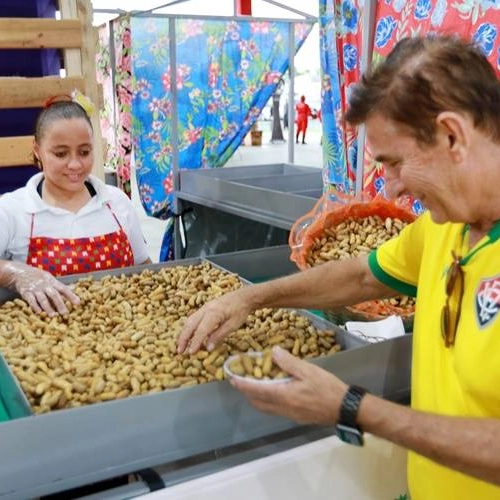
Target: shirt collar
35	204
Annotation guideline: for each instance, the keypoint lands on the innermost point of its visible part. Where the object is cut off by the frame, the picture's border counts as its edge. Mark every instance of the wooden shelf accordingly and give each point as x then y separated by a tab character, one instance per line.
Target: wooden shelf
74	35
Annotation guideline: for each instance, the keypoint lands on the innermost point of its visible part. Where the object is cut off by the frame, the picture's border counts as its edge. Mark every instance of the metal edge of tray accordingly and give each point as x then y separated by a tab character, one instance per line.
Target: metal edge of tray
13	398
283	183
257	265
265	217
193	176
72	447
68	448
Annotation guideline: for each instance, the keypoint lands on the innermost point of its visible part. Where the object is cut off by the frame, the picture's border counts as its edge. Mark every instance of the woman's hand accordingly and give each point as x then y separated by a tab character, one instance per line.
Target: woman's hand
38	288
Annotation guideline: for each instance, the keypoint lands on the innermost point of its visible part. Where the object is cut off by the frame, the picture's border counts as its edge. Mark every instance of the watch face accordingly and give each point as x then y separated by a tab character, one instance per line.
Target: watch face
349	435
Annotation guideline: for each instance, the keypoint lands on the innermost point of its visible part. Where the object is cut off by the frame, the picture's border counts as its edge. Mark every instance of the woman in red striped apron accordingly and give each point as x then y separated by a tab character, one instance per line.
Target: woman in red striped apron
65	221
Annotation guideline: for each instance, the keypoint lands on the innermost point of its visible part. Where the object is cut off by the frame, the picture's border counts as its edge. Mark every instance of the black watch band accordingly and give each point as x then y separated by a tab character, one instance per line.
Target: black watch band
350	406
347	428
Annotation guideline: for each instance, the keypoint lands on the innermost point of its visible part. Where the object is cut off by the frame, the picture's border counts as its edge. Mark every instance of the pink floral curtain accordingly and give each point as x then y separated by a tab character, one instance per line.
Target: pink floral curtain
116	116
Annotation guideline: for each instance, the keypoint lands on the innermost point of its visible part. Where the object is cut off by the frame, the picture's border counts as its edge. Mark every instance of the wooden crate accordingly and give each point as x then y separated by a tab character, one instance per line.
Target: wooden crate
75	36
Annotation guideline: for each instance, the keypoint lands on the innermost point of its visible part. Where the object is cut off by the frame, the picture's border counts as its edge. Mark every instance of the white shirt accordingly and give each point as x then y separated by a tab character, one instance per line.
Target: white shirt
94	219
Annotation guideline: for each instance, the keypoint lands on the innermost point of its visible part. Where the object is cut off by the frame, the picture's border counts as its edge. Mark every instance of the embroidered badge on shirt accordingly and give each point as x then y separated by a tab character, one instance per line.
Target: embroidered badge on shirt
487	300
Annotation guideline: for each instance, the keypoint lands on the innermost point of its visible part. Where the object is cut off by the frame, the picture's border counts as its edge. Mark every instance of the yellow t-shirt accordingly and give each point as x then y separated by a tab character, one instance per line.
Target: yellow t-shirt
463	380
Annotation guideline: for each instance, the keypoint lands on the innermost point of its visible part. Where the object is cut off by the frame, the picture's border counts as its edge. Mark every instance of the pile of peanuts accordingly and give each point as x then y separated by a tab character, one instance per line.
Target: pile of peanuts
355	237
121	340
258	366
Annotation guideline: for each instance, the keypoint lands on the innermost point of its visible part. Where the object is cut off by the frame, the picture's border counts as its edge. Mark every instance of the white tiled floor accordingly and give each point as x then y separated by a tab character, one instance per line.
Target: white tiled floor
309	154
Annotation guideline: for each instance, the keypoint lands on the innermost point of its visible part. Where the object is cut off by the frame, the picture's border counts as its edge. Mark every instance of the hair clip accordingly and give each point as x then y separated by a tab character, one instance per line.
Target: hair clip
55	98
83	101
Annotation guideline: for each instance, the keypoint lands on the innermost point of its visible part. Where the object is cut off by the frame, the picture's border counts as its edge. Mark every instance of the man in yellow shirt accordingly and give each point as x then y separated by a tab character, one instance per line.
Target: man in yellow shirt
432	116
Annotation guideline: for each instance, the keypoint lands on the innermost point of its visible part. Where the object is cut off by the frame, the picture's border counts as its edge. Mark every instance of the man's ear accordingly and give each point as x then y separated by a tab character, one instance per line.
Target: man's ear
453	132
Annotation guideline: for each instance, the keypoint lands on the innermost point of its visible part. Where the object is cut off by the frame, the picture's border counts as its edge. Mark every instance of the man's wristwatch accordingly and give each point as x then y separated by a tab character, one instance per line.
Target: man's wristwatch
347	429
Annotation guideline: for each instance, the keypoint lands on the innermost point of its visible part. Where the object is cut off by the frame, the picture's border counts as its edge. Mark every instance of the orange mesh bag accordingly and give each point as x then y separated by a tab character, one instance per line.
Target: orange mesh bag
342	226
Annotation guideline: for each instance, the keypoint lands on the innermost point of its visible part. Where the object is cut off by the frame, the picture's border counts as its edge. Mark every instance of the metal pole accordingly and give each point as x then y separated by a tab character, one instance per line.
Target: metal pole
291	103
244	7
291	9
174	132
158	15
168	4
112	71
365	62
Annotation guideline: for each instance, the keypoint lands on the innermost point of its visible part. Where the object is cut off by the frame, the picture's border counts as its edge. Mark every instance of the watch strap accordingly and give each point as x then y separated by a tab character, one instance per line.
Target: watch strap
350	406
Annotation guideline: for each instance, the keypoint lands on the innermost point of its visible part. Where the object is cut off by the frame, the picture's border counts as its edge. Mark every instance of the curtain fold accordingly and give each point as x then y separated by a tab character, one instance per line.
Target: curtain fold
340	52
114	73
226	72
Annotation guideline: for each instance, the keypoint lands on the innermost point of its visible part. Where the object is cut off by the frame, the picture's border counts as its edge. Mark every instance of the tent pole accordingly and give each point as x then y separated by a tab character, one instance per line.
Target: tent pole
366	59
175	133
291	92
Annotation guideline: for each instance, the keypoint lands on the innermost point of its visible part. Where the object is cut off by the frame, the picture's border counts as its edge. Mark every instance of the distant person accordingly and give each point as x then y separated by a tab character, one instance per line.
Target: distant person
303	113
285	116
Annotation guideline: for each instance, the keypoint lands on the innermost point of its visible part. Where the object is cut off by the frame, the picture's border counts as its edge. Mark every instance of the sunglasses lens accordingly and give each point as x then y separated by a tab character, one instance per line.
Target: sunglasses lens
454	282
451	278
445	323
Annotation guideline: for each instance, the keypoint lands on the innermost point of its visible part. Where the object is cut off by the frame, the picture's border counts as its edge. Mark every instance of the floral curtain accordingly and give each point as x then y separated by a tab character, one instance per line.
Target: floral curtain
225	73
107	111
476	20
114	73
340	50
123	92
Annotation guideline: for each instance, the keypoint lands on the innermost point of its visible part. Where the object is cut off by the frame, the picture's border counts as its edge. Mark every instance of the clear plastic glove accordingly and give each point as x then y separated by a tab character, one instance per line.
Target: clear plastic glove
38	288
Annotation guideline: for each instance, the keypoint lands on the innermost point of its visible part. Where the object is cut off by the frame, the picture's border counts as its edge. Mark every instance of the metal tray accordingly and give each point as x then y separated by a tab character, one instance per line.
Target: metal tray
68	448
11	394
276	194
16	402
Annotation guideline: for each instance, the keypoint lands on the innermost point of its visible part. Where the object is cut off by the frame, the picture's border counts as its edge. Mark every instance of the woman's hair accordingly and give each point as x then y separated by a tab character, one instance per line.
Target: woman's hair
58	110
425	76
55	110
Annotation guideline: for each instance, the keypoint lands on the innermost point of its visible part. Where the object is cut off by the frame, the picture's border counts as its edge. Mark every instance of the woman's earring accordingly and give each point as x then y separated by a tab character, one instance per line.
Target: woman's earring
38	163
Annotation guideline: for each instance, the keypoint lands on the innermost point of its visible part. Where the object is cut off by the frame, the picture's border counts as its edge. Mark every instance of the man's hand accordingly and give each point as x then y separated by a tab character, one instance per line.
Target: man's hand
38	288
214	321
313	396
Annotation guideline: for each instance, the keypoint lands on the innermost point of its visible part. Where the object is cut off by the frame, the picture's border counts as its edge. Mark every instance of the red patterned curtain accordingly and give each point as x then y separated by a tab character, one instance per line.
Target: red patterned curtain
475	20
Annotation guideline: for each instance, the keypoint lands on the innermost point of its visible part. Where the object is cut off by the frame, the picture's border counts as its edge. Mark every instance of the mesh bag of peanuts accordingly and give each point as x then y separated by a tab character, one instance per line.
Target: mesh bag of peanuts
342	226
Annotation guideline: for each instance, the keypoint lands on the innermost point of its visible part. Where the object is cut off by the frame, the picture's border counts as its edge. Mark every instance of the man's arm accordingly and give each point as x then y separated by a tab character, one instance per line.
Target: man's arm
330	285
314	396
469	445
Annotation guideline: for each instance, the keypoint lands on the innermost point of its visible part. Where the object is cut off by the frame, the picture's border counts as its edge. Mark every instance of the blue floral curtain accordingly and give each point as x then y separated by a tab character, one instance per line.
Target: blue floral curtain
340	52
225	73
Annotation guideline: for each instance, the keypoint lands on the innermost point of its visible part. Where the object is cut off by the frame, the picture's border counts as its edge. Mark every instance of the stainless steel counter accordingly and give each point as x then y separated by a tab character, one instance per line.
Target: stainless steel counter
275	194
67	448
